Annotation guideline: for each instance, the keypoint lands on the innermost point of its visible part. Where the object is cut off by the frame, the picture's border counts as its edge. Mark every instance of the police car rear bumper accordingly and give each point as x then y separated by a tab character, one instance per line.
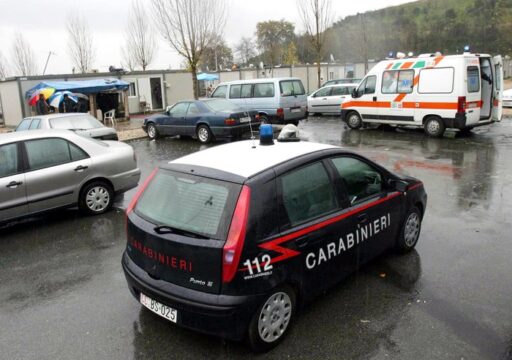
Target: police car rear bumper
220	315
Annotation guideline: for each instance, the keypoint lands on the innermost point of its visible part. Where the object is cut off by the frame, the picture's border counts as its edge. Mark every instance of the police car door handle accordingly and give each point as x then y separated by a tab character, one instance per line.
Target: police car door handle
375	98
362	218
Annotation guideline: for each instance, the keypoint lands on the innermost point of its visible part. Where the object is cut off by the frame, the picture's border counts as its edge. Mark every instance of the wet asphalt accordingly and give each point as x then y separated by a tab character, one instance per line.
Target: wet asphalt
63	294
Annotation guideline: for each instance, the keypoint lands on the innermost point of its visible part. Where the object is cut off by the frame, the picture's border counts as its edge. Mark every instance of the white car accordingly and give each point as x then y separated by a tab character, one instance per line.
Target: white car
327	100
507	98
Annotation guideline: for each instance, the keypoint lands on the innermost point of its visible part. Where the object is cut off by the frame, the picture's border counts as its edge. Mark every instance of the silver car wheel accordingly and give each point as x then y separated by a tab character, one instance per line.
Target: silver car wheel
412	229
97	199
274	317
203	134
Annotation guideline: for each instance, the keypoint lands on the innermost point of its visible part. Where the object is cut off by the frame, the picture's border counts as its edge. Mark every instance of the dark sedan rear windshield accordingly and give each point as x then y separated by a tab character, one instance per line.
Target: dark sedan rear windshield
189	203
75	122
222	106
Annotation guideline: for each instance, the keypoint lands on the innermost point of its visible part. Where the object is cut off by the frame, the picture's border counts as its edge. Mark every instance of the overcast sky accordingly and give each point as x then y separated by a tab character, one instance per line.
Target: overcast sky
43	23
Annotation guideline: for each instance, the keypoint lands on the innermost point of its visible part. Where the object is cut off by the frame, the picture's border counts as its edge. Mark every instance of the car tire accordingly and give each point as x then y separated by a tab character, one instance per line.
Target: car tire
434	126
96	198
152	131
410	232
354	121
295	122
204	134
272	320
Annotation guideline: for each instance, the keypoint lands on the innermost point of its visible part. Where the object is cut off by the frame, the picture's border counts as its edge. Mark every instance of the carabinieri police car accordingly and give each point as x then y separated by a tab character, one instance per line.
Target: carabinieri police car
230	240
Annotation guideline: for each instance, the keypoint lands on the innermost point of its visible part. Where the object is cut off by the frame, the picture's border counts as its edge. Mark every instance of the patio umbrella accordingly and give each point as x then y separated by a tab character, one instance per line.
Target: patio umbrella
58	97
46	92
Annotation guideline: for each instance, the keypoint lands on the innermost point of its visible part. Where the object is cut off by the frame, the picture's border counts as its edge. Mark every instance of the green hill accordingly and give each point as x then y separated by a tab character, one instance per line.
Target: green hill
424	26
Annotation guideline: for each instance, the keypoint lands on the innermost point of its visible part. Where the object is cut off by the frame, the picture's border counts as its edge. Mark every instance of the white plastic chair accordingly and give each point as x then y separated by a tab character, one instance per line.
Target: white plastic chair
110	116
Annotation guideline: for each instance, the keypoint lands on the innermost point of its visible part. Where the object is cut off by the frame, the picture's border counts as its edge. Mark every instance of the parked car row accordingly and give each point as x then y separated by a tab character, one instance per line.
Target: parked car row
43	170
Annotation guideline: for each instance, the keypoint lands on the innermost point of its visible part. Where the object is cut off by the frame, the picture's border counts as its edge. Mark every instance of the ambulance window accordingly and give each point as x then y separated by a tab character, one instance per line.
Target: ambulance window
389	82
361	180
405	81
497	69
307	193
369	87
473	79
436	81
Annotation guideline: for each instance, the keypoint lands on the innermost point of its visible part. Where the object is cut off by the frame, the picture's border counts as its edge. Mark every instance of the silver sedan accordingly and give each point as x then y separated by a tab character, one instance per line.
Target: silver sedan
47	169
81	123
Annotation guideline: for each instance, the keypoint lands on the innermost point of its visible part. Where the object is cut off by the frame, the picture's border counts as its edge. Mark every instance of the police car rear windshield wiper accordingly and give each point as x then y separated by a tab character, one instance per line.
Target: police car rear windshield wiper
165	229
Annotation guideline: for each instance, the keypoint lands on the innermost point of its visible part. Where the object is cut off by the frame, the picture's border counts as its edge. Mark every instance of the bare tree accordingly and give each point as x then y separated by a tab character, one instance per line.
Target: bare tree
316	17
80	41
190	26
140	43
3	67
245	50
23	57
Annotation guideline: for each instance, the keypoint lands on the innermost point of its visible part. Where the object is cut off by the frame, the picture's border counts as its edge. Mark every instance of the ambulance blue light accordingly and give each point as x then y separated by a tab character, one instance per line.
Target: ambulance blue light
466	48
266	134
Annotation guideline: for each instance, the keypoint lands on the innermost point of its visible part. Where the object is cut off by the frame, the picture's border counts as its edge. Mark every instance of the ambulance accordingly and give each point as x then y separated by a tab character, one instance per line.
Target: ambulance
431	91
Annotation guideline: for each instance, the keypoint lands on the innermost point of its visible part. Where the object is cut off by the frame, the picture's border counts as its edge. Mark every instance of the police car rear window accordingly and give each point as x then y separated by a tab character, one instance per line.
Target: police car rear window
189	203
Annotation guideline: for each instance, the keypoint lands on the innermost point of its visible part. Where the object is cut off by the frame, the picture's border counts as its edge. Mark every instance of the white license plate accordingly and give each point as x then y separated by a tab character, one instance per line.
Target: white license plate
245	119
160	309
295	110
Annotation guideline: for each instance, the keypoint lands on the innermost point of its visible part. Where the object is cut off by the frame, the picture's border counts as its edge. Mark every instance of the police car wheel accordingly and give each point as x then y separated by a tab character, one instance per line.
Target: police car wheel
354	120
204	134
434	127
271	321
410	232
152	131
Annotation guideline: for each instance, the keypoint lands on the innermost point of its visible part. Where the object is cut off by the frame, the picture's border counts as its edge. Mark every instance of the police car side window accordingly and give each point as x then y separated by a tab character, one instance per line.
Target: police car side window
361	180
307	193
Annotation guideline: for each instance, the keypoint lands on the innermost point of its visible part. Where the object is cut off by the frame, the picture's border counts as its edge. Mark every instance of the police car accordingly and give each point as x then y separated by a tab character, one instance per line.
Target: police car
230	240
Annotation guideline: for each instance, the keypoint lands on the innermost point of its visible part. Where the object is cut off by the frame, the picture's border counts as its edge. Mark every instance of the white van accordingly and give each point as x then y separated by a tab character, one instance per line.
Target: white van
277	100
431	91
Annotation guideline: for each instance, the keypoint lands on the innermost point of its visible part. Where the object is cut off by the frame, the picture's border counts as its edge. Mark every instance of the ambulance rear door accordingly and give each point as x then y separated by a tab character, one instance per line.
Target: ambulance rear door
497	102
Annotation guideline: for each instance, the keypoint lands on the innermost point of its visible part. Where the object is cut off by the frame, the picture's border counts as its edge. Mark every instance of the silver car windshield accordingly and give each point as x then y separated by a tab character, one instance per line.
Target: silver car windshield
75	122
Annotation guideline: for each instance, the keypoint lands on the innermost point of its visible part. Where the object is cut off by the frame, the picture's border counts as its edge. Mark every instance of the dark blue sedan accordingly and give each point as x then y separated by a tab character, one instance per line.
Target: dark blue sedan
205	120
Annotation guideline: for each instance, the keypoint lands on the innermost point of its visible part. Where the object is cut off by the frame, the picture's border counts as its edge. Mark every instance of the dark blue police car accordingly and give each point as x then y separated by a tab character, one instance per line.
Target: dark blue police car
205	120
229	240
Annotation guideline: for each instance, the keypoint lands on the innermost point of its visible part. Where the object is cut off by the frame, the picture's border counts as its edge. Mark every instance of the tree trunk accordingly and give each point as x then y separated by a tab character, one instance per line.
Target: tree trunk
193	68
318	72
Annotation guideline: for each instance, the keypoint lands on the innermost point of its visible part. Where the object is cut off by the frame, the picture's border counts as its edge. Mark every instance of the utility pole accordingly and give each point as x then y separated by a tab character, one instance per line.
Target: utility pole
50	53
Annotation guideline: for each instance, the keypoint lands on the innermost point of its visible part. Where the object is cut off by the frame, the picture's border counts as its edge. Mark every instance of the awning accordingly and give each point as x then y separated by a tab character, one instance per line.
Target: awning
81	86
208	77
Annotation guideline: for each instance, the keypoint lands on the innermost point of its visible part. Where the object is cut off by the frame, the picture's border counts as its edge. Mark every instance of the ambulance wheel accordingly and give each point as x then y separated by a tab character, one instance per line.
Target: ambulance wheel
410	232
434	126
272	320
354	120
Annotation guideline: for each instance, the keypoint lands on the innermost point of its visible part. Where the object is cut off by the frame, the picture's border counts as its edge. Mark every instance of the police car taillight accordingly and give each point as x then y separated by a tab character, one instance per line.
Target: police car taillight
461	104
236	236
139	192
